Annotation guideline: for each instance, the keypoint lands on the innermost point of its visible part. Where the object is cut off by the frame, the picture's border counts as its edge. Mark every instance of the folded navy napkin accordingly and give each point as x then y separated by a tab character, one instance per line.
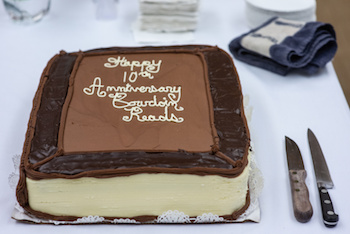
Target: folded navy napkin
281	45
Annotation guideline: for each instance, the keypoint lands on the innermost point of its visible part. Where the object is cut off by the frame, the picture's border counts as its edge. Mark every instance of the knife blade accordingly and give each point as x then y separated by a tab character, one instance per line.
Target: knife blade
324	181
297	174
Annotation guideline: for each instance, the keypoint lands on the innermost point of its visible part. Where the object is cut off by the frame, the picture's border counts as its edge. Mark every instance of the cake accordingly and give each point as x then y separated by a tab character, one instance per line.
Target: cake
132	134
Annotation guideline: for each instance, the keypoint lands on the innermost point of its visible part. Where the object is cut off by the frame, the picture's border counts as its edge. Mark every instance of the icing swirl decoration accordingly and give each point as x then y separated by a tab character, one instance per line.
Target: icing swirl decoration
166	98
147	67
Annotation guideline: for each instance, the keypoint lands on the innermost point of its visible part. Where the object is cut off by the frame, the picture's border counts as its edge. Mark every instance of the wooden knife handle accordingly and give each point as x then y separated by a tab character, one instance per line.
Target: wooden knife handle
300	194
330	218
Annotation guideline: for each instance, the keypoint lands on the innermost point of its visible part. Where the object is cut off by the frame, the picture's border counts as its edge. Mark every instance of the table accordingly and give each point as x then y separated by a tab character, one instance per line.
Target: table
280	106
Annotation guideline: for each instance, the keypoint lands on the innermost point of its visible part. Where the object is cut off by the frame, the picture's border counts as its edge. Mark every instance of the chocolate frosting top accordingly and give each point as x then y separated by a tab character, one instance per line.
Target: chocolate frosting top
214	138
155	102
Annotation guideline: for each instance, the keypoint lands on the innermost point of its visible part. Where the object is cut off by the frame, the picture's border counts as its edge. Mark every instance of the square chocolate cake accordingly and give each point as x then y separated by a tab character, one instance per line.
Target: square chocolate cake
131	134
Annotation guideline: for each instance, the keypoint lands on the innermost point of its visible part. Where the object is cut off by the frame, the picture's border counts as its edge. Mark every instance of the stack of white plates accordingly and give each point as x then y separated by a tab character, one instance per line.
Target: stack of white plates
259	11
168	15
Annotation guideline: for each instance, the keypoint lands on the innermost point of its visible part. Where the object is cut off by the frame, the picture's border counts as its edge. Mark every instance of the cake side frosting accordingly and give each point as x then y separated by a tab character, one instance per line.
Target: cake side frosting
140	194
225	148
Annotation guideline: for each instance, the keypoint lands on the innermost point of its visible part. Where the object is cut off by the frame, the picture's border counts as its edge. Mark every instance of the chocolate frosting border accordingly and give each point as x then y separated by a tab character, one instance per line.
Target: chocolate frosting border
42	158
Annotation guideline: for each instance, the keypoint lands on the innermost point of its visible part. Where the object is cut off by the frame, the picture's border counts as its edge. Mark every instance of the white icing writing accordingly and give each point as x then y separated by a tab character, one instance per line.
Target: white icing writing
119	95
147	68
164	98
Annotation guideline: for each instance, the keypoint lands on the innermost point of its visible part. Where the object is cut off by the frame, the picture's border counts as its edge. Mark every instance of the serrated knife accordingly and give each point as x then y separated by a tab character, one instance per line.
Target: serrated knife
323	179
297	174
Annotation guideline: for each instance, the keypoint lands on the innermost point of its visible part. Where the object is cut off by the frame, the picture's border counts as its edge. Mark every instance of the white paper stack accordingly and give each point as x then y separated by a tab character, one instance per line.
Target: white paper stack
168	15
259	11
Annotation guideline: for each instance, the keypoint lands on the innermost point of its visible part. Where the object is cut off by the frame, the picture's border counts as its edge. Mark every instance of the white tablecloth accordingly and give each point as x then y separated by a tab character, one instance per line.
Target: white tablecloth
281	106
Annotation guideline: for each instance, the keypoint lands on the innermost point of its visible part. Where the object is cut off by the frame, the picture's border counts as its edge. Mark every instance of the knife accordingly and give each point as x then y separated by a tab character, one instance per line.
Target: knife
324	181
300	194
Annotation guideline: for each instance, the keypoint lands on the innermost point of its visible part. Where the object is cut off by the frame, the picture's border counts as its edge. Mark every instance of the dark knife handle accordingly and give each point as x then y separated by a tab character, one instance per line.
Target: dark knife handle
330	218
300	194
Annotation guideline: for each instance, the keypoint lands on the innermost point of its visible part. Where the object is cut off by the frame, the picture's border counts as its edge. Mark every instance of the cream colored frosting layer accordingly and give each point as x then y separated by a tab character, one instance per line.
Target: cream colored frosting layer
137	195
